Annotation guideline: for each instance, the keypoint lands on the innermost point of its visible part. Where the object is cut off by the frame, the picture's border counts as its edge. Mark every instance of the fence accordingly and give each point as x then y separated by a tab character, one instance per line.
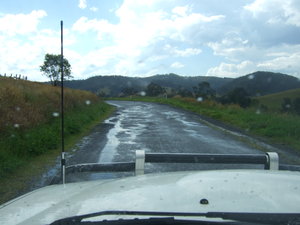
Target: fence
14	76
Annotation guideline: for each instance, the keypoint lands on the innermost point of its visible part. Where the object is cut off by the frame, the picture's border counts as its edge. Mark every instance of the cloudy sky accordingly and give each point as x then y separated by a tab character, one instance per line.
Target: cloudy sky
146	37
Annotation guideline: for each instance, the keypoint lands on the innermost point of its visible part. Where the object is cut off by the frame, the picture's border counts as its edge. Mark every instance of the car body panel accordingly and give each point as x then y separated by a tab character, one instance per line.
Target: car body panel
258	191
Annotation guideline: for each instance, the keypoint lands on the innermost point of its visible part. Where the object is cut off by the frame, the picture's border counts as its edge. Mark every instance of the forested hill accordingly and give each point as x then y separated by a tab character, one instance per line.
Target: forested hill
262	83
114	85
256	84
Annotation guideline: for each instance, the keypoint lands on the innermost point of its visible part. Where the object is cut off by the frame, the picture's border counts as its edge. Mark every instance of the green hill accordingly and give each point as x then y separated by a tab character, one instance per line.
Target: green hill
273	101
114	85
262	83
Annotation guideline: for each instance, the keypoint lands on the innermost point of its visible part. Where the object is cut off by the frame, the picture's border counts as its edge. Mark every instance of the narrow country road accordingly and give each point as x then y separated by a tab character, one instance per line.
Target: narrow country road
153	128
159	128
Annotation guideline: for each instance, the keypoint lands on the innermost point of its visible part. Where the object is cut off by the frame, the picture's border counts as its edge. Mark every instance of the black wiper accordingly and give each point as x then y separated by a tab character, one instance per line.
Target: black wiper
255	218
149	221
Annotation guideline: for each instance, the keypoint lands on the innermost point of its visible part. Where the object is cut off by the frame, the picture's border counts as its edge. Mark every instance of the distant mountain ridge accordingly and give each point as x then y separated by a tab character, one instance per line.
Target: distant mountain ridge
116	84
262	83
256	84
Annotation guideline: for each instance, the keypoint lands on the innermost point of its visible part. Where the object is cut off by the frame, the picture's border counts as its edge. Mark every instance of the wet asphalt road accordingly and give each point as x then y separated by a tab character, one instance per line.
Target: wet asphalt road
154	128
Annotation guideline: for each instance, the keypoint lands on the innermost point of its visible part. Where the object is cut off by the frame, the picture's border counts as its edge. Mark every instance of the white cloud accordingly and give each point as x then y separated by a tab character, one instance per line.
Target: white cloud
82	4
13	24
23	44
232	70
177	65
94	9
180	10
284	59
154	36
276	11
188	52
285	63
83	24
182	53
234	48
142	28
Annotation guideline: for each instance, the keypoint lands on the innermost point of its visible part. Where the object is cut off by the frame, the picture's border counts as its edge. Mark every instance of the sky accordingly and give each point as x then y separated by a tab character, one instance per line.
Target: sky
146	37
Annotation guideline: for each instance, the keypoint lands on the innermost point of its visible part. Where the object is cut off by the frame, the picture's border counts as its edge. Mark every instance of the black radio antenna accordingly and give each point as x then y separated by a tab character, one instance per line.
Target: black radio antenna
63	161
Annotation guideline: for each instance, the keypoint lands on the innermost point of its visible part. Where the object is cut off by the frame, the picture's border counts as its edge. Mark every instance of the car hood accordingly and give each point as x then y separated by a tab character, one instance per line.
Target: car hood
257	191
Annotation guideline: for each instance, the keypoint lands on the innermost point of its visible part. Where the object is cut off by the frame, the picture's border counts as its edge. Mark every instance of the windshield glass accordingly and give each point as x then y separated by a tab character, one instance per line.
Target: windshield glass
201	97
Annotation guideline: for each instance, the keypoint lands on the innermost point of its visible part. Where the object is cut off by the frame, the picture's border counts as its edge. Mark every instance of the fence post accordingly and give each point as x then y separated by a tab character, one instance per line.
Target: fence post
273	161
139	162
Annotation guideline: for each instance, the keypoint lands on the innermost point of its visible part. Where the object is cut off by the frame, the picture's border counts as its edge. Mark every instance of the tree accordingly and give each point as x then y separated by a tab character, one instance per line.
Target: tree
154	89
296	104
286	105
204	90
236	96
52	68
127	91
183	92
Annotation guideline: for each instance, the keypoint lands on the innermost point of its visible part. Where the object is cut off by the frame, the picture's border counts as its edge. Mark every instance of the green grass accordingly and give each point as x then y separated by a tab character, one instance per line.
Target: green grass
273	101
274	127
30	134
18	148
26	156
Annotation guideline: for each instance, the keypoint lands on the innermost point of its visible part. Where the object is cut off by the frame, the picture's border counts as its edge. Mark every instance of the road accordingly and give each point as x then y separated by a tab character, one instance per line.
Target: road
154	128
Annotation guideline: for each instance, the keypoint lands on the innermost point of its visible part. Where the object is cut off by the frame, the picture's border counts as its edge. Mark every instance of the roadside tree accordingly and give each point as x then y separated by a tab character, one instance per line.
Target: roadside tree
204	90
51	68
236	96
154	89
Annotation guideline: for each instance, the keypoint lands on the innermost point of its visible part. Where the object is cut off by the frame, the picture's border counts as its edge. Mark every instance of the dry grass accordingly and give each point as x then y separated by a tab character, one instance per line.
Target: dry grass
24	104
29	132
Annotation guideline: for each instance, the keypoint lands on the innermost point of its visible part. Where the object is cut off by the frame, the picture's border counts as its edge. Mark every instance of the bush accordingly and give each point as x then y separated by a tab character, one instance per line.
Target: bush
237	96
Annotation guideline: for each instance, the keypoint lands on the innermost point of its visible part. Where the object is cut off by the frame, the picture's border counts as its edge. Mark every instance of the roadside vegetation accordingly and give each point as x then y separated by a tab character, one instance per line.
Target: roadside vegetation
285	102
274	126
30	122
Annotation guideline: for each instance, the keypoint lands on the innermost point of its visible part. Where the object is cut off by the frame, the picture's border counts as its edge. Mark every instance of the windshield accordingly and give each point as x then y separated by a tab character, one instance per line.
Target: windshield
175	98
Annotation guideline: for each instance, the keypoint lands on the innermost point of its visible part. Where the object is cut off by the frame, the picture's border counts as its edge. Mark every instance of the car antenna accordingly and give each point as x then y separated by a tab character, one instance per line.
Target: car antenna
63	161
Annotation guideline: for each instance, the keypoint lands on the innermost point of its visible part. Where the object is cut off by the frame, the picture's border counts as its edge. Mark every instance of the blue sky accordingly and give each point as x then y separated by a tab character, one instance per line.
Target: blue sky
147	37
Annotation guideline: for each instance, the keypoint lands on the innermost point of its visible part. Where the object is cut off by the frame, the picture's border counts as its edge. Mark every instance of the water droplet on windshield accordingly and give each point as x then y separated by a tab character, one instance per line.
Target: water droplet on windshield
250	77
142	93
87	102
269	79
55	114
199	99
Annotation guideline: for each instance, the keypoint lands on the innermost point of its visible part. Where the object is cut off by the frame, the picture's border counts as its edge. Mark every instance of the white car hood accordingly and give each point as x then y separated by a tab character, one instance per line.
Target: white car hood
258	191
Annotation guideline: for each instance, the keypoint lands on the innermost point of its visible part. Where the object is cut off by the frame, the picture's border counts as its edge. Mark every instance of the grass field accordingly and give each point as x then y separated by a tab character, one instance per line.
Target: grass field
274	127
30	127
273	101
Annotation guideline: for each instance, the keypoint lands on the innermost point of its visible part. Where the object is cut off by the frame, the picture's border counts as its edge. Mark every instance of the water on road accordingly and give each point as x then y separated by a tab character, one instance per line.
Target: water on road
155	128
159	128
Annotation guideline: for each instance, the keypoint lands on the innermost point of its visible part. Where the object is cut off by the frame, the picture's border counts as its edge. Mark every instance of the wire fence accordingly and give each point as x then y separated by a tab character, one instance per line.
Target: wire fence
14	76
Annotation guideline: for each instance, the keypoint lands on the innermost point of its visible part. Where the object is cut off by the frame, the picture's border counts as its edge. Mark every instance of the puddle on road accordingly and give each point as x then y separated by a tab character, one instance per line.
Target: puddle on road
181	118
119	136
112	144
